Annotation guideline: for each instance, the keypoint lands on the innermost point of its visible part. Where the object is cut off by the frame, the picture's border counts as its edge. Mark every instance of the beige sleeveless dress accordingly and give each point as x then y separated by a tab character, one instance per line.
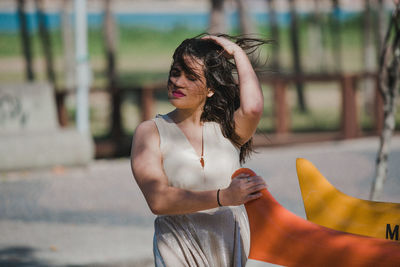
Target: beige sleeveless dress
215	237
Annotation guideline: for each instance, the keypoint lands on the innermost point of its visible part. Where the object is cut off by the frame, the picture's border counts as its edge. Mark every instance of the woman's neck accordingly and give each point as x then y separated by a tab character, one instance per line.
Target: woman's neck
184	116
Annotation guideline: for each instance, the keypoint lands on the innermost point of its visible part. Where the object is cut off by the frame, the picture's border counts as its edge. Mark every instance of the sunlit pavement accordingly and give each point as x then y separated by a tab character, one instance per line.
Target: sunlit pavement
96	215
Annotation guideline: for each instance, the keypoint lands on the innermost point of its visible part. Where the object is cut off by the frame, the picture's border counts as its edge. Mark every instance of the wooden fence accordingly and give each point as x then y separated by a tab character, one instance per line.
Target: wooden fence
350	125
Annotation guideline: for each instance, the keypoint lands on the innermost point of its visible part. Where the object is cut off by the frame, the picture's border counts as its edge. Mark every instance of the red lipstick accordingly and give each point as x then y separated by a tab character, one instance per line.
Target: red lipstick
178	94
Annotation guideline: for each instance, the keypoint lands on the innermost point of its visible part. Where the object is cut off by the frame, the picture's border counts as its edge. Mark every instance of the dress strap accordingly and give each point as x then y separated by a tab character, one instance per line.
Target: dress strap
165	130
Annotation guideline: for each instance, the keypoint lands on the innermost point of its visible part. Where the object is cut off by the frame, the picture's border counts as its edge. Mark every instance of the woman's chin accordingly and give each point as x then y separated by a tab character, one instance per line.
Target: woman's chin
177	102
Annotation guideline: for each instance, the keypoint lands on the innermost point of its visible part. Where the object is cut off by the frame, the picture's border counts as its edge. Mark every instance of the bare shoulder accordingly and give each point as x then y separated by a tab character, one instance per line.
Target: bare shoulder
146	130
146	136
146	127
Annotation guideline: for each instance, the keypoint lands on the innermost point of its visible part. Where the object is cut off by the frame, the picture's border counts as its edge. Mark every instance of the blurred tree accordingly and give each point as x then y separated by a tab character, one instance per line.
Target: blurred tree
380	26
294	37
110	36
336	35
316	40
217	17
25	40
369	56
68	45
274	32
246	25
389	83
46	42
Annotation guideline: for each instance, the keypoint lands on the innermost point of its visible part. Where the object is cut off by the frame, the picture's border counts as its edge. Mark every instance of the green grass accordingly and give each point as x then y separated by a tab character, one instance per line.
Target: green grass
9	45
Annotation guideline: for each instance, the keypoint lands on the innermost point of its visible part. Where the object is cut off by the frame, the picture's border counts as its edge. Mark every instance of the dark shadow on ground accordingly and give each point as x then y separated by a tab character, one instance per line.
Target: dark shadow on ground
24	256
137	263
20	256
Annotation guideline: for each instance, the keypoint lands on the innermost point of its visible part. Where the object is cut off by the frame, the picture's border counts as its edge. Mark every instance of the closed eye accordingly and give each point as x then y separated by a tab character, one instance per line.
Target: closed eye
175	72
192	78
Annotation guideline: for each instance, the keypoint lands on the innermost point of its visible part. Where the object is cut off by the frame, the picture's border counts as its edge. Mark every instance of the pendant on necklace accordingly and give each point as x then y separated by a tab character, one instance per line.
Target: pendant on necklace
202	148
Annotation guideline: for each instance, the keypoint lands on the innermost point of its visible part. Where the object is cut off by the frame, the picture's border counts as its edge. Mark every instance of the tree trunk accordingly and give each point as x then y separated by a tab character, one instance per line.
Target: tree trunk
316	43
336	36
110	43
368	42
246	25
294	36
25	40
369	57
274	31
380	26
389	84
68	47
46	42
217	17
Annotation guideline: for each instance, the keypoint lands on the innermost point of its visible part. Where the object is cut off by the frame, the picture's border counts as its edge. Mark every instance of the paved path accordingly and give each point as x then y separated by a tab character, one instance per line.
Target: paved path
96	215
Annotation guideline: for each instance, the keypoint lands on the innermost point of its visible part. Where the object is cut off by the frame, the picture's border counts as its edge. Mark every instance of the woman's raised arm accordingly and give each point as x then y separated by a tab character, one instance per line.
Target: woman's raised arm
147	169
251	107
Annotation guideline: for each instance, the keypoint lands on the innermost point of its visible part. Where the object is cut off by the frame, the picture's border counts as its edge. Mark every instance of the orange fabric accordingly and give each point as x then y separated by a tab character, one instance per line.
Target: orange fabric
278	236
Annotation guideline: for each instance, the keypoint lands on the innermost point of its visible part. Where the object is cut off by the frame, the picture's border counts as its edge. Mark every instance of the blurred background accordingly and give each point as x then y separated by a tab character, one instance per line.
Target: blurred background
319	76
77	77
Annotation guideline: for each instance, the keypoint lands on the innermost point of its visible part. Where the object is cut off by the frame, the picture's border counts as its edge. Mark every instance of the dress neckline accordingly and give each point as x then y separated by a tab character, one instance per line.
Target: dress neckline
168	118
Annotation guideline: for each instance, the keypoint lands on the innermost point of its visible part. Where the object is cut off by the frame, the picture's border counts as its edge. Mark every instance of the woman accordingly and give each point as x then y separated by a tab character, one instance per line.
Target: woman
183	161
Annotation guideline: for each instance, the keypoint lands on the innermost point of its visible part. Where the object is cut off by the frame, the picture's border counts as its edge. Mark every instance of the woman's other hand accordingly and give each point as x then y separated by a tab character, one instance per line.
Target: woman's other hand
229	46
243	188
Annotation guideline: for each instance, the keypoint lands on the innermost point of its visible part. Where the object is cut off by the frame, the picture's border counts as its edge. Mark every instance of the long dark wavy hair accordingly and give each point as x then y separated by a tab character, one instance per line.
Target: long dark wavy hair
219	72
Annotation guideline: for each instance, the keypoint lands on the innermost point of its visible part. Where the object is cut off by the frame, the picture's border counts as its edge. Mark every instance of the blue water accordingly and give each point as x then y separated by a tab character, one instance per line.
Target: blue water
163	21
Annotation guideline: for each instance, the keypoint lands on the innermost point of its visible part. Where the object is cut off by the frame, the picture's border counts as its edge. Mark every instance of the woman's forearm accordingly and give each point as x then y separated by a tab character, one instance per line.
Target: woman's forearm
172	200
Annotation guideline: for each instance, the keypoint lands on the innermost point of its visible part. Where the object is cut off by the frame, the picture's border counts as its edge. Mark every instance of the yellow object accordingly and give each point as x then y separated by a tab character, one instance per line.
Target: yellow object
327	206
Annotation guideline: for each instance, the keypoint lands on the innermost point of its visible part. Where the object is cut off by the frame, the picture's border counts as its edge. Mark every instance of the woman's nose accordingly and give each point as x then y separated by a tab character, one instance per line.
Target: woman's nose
177	81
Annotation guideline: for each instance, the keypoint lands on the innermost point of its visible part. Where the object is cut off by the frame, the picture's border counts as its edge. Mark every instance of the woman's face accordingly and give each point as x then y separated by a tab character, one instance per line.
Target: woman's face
188	91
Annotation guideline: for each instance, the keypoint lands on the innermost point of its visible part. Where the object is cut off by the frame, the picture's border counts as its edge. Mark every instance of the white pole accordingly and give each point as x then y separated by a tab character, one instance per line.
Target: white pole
83	77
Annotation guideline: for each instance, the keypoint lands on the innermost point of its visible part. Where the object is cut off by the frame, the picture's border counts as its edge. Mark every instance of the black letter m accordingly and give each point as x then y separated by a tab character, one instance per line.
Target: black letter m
393	235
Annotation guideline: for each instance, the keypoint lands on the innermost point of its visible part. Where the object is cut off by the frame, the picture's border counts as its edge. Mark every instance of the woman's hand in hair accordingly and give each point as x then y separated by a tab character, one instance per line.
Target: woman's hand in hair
230	47
242	189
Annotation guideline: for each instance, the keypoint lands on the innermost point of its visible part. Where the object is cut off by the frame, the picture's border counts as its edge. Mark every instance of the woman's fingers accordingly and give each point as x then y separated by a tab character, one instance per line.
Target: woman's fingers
246	177
220	40
252	197
228	45
254	179
242	175
255	184
251	181
257	188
